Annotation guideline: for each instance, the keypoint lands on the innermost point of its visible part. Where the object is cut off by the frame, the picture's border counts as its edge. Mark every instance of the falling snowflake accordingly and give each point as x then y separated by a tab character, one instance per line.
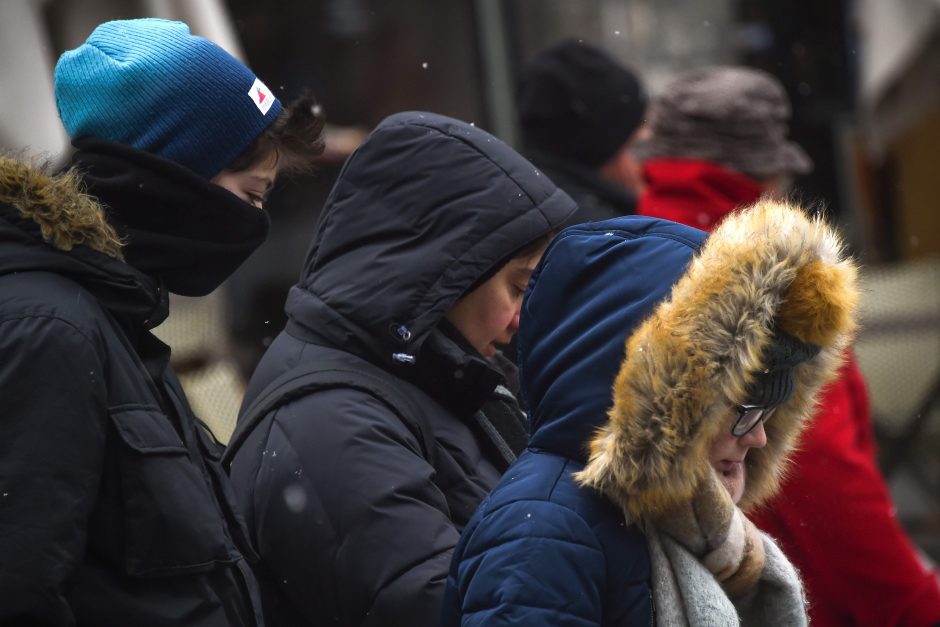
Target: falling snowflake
295	498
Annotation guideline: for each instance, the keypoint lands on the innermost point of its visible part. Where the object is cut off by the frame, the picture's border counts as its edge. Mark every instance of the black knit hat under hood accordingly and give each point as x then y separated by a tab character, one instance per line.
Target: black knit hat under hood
774	385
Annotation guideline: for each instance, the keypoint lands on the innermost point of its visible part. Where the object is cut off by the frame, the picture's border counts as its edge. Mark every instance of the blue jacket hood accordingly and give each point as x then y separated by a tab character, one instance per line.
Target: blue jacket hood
595	284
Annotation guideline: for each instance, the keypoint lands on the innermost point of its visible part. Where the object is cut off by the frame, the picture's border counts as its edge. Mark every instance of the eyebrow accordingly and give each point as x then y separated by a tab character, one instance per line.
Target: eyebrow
523	272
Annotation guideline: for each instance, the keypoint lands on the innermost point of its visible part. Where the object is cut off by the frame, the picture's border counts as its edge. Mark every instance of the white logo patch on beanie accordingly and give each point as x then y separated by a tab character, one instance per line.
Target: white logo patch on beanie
261	95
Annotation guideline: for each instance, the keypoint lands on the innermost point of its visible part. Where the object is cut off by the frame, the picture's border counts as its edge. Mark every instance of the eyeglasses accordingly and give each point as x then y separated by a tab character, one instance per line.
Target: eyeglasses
749	416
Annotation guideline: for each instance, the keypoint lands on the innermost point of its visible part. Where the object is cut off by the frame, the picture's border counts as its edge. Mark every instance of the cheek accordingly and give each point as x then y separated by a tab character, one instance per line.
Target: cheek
503	315
509	312
721	448
491	322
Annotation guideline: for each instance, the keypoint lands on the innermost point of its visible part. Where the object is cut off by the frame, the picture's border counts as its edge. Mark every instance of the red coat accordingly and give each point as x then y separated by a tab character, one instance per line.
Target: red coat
833	517
696	193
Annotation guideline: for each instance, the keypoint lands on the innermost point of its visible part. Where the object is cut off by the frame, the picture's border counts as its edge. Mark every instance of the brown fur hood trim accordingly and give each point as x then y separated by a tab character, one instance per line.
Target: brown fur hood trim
65	214
692	360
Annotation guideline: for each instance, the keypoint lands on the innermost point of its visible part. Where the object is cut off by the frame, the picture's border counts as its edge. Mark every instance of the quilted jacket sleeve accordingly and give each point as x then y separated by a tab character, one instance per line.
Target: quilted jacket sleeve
527	563
346	514
52	436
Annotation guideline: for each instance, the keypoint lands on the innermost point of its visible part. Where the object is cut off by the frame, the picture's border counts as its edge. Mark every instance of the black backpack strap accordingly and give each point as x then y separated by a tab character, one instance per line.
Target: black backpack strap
310	377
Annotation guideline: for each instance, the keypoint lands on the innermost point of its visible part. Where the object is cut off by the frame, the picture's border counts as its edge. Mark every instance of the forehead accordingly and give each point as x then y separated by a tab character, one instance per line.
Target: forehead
262	174
517	269
525	263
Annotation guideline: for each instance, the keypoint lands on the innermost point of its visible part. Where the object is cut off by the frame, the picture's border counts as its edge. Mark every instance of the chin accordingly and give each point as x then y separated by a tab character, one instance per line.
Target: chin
734	486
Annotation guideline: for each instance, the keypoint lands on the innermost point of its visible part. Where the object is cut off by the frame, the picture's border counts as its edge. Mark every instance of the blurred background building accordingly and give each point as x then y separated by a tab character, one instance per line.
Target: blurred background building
863	76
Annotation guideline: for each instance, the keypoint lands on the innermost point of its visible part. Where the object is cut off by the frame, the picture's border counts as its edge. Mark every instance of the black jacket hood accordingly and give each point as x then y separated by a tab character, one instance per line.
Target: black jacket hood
422	209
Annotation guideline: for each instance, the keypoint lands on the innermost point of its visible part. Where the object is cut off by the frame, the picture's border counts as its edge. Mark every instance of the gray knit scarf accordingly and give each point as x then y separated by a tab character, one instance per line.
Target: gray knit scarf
712	566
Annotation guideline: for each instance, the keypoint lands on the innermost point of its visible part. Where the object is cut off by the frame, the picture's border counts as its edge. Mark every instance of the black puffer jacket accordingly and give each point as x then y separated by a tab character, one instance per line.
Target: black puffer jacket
112	510
354	520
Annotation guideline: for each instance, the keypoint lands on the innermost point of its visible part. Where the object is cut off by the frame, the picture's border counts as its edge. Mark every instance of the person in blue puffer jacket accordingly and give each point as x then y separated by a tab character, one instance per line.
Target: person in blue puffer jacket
627	506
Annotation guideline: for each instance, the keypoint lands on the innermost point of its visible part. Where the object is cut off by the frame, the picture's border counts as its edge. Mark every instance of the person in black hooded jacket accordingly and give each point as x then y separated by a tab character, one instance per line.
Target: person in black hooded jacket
416	273
113	507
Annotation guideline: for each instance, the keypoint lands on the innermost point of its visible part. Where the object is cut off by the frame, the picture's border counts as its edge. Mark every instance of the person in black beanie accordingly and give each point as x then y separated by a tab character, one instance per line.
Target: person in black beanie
580	111
114	509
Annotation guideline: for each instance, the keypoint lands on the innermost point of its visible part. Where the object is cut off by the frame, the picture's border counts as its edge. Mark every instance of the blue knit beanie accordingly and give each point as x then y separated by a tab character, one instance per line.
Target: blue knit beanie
150	84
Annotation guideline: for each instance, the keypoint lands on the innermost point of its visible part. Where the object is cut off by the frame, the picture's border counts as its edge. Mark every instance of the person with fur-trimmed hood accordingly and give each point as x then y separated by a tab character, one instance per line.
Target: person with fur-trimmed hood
113	508
627	508
719	141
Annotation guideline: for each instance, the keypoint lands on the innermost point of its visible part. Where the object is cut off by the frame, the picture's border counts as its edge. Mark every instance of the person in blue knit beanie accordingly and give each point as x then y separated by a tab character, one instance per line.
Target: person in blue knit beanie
152	85
113	508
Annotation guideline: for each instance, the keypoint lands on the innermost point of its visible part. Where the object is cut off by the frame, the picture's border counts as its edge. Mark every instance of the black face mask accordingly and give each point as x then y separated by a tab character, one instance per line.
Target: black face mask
177	225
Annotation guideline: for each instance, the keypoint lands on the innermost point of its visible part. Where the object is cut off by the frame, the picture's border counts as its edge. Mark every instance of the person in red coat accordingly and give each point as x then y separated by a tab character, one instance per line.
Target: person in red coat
718	143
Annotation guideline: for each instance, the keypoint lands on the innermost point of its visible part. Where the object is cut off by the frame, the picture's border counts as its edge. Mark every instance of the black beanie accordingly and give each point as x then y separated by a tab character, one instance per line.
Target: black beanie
775	384
577	102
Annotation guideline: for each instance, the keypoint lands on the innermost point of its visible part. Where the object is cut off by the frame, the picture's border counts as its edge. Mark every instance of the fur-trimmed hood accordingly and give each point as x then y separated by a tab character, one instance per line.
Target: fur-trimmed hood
690	358
693	359
59	206
49	224
169	224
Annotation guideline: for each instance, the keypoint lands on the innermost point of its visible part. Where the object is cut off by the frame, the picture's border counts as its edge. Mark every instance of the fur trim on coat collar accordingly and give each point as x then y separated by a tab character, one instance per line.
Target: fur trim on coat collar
65	214
692	360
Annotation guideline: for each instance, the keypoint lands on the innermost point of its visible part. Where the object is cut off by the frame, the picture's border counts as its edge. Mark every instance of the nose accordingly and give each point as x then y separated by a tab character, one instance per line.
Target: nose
514	323
755	438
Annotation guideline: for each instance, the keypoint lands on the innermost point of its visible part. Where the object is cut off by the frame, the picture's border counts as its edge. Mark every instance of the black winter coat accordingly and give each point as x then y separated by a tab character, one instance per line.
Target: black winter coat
112	508
597	199
354	520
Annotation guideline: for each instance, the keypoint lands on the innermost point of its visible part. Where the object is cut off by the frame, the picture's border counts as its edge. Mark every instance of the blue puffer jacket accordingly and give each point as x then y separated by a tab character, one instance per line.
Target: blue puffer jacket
541	550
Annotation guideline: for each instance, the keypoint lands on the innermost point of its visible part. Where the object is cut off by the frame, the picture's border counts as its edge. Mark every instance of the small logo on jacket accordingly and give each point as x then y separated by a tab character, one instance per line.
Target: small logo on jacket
261	95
